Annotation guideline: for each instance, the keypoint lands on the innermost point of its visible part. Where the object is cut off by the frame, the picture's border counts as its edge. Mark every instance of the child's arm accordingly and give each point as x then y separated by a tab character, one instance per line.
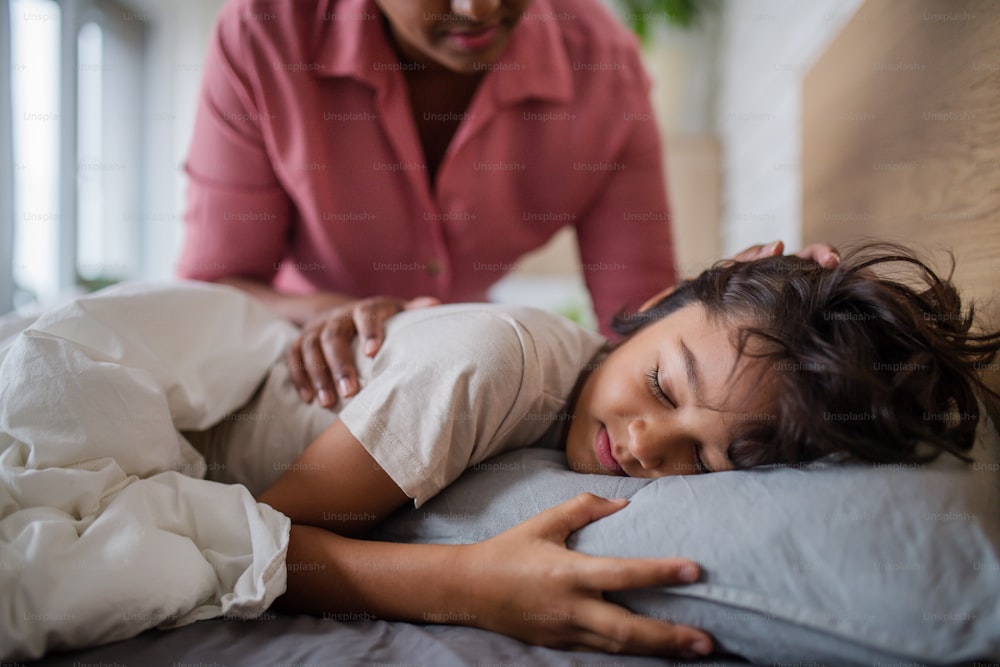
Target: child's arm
523	583
335	484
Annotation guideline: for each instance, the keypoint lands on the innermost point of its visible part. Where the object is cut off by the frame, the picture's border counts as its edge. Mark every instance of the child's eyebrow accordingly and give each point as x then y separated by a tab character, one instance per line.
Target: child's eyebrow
691	369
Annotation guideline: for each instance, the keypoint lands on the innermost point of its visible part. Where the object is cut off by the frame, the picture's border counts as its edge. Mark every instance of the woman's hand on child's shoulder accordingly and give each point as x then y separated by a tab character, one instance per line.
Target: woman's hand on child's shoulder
823	254
526	584
321	361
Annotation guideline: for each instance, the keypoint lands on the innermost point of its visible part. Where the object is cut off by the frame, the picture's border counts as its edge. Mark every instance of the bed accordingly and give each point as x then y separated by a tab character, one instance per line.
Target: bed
824	564
108	529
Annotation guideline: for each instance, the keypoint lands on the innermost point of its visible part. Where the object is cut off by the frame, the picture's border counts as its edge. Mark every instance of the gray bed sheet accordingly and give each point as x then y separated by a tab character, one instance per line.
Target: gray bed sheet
278	640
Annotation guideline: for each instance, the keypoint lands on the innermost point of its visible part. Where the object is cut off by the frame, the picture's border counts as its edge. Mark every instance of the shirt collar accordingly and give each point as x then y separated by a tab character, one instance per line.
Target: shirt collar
351	42
535	64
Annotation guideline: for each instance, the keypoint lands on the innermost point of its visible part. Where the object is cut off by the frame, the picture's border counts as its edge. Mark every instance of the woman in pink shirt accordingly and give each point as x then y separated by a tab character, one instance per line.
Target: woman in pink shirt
352	155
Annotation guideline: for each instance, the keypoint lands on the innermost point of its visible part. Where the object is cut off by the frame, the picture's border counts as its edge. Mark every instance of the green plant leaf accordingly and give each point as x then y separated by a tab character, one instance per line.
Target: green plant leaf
642	15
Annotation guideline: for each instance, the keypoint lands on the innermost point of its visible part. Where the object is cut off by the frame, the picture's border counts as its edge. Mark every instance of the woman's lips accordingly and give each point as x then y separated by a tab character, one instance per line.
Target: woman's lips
474	40
602	448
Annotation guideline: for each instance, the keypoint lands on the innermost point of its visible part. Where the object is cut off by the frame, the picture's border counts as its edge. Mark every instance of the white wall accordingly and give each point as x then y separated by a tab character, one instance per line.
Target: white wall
178	33
766	47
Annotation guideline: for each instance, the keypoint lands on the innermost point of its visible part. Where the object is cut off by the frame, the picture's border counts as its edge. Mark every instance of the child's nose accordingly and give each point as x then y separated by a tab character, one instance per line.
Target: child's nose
645	444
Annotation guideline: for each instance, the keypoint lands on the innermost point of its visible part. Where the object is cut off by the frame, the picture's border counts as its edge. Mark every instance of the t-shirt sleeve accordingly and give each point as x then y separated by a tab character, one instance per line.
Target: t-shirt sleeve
440	392
625	239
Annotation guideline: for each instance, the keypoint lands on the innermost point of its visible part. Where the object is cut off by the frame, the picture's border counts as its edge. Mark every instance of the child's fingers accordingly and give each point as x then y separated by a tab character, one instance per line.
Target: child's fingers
556	523
620	574
610	628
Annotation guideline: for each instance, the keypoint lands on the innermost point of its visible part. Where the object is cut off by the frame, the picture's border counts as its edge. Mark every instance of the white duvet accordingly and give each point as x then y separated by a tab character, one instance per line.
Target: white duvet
106	527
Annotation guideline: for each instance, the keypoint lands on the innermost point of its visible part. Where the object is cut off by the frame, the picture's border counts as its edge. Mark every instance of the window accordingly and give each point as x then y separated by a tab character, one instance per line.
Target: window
76	92
92	232
35	96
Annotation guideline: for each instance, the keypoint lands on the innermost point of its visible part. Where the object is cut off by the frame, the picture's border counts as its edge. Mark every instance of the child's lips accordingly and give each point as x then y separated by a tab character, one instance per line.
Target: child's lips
602	449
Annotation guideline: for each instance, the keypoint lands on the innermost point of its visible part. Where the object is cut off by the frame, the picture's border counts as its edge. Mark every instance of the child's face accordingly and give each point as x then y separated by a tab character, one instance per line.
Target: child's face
623	425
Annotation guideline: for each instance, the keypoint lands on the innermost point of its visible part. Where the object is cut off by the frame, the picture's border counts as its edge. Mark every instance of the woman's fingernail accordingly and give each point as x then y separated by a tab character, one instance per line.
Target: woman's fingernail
345	387
771	248
306	395
688	573
324	397
370	346
700	646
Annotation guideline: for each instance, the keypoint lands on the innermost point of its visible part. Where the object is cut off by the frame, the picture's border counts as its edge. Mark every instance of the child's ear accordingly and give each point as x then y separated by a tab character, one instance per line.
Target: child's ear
656	299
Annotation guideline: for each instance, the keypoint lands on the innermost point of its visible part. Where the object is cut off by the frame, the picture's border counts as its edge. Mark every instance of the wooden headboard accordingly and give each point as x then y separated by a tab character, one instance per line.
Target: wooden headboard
901	137
901	122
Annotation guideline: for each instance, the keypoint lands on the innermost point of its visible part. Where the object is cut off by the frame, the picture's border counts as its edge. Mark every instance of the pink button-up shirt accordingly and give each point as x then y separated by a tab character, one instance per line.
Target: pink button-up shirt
306	168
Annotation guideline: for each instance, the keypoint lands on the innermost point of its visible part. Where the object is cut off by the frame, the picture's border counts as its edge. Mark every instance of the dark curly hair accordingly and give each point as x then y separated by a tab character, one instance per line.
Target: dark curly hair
874	359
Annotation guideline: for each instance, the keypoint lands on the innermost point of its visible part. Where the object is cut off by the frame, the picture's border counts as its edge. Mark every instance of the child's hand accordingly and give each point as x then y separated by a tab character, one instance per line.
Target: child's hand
526	584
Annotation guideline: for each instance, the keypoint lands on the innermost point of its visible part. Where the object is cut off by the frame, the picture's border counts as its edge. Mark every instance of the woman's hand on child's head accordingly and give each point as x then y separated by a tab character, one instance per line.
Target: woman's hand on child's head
823	254
321	361
526	584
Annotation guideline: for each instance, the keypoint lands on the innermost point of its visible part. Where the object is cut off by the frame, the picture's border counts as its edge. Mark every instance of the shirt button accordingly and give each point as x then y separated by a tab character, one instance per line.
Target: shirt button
434	268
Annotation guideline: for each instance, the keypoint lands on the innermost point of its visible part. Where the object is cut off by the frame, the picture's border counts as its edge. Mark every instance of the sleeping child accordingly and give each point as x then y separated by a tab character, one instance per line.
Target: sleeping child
767	362
107	527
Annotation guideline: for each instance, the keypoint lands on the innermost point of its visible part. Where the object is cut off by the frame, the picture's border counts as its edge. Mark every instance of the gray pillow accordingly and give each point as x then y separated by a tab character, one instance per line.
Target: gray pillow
833	563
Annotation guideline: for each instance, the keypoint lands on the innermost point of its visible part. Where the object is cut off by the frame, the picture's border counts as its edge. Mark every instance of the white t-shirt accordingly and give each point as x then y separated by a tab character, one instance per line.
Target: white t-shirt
450	387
